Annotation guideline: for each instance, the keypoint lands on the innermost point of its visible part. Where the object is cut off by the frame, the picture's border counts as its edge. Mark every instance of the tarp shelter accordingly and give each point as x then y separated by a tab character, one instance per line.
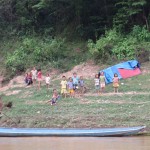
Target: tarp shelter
124	70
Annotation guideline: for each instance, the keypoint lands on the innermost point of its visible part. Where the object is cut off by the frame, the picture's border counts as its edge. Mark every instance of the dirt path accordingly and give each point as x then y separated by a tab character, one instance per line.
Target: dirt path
120	93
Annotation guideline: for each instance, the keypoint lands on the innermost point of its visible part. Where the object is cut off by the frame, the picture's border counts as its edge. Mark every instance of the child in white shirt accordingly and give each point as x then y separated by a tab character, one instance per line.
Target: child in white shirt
47	80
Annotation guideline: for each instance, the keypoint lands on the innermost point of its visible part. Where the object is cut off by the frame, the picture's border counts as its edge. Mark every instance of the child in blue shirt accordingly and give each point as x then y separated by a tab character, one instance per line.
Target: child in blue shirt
75	79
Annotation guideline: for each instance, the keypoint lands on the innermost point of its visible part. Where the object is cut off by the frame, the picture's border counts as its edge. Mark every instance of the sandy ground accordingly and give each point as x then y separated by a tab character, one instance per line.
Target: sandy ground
87	70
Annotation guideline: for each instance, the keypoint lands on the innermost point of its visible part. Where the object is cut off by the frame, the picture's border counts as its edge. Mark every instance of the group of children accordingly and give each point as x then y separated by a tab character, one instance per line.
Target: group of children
36	75
100	82
71	86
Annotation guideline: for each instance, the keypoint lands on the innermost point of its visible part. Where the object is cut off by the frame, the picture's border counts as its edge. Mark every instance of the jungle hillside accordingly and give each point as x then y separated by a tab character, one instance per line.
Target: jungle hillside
63	33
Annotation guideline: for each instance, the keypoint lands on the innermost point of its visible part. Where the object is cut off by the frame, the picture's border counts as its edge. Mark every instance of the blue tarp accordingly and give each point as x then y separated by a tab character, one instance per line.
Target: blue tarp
109	72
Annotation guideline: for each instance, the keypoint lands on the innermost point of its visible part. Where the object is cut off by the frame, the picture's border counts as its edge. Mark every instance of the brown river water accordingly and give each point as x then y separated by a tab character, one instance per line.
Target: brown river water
75	143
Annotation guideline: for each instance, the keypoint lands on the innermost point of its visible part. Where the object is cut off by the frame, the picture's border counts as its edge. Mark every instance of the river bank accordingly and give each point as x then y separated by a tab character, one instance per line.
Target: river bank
129	107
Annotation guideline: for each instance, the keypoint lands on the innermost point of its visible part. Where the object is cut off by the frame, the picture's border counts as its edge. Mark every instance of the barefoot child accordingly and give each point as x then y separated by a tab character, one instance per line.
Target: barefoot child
75	79
34	75
70	87
55	97
39	78
102	81
64	86
115	83
47	80
97	84
81	85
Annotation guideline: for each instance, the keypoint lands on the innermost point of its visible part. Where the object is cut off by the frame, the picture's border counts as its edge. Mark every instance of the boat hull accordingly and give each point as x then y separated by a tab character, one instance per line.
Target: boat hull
95	132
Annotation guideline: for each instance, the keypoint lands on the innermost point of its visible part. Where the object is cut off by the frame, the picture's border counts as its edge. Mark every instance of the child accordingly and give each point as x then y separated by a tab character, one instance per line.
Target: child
102	81
64	86
34	75
70	87
55	97
39	77
75	79
81	84
47	80
30	78
115	83
97	84
26	78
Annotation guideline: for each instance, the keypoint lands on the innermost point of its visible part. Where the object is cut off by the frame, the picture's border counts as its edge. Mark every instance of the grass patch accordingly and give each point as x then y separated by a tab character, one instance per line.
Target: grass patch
128	108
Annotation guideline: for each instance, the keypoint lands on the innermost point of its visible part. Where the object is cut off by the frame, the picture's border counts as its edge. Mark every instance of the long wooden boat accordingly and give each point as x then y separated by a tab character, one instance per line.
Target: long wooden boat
95	132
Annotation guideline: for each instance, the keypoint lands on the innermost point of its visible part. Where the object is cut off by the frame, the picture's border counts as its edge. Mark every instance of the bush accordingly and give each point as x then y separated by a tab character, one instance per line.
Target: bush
102	49
115	45
125	48
33	51
44	52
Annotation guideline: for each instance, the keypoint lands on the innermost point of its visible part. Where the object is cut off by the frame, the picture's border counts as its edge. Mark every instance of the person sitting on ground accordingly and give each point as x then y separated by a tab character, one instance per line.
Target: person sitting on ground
70	87
55	97
115	83
64	87
102	82
30	78
26	78
47	80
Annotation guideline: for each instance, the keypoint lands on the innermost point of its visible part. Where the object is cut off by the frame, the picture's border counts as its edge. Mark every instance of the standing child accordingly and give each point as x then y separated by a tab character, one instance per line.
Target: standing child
102	81
34	75
47	80
75	79
81	84
97	84
64	86
115	83
39	77
70	87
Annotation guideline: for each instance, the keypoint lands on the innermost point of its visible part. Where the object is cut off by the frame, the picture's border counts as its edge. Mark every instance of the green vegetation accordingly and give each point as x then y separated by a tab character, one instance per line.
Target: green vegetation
128	108
53	32
63	33
48	51
118	46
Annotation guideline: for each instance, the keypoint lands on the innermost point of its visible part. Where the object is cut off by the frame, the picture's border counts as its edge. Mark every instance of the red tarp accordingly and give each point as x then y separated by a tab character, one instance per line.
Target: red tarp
127	73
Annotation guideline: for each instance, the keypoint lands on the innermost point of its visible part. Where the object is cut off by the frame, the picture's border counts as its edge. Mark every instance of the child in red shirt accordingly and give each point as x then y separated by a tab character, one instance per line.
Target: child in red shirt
39	78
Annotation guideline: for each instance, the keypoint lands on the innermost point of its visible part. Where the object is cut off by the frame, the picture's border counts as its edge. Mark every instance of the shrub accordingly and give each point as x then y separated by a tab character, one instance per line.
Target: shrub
44	52
102	49
125	48
34	51
115	45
